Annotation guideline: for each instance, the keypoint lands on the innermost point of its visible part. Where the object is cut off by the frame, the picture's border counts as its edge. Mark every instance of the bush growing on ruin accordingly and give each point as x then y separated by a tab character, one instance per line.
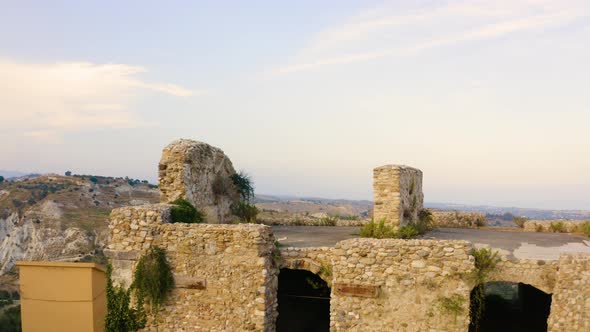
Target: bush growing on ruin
243	183
183	211
245	211
451	305
407	232
378	230
557	227
425	221
485	262
153	278
121	317
519	221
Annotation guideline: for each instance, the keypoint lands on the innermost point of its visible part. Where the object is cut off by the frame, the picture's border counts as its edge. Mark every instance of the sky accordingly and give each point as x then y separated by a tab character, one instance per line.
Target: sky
490	99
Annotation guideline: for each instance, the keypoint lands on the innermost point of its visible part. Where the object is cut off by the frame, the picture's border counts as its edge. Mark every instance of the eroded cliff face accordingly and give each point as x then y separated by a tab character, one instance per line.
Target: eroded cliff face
22	238
56	218
201	174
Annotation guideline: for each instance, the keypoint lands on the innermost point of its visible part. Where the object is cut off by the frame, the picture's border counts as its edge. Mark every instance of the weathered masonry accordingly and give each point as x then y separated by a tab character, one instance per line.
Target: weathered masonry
227	277
398	194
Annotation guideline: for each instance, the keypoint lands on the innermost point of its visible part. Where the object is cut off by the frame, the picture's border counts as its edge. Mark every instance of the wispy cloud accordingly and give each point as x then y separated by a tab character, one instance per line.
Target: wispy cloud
46	100
371	34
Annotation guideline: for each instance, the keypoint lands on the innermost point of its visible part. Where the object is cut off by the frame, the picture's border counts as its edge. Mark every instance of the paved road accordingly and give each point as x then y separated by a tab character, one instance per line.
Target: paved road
521	245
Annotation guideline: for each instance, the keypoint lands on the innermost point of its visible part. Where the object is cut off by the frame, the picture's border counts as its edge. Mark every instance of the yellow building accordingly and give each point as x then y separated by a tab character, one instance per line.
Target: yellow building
62	297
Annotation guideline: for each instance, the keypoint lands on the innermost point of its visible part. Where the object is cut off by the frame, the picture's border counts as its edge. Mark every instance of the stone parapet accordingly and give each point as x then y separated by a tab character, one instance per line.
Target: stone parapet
458	219
561	226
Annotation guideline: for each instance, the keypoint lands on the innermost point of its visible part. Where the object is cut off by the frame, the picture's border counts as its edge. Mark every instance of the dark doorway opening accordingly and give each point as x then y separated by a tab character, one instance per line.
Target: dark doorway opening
304	302
511	307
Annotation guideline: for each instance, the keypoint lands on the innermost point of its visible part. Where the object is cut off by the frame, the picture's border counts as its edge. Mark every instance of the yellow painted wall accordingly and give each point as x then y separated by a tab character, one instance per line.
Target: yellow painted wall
62	297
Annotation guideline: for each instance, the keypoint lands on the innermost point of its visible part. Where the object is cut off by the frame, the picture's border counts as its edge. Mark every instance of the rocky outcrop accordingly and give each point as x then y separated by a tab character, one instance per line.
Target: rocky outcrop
25	239
201	174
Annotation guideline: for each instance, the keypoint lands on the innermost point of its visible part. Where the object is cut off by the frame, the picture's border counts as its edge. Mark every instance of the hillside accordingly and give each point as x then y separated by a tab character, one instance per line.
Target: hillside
54	217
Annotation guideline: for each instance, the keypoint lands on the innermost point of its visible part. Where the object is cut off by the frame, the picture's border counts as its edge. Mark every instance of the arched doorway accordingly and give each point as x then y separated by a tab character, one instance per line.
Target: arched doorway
304	302
510	307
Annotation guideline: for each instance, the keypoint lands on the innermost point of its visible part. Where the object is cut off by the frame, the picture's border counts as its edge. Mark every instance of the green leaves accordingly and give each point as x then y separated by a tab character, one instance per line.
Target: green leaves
153	279
185	212
120	316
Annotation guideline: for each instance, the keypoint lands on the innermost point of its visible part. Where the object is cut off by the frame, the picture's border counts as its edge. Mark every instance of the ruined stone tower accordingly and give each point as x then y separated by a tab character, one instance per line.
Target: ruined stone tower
398	194
201	174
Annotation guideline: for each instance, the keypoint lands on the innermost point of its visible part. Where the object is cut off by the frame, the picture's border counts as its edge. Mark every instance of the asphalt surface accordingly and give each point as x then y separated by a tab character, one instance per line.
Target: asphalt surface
515	244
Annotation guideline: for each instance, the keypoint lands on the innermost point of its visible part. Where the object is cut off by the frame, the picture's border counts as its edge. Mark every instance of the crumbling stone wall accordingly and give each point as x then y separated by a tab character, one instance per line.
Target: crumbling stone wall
225	275
201	174
398	285
458	219
569	226
398	194
570	306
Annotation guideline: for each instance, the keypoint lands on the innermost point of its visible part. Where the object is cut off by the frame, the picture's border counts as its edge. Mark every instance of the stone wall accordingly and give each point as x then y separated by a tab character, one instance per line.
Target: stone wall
201	174
398	285
569	226
225	275
398	194
458	219
570	306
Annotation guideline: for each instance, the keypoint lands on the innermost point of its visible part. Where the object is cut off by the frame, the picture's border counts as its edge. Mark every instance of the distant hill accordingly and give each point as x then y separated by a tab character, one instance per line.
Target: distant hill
310	205
11	174
296	204
53	217
531	213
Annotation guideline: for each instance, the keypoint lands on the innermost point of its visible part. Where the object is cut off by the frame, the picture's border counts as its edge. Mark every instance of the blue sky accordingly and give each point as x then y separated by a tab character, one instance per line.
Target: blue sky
489	98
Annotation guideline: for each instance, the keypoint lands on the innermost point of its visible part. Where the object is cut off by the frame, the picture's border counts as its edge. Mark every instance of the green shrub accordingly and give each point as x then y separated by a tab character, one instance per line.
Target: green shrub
185	212
557	227
120	316
452	305
425	221
407	232
10	320
519	221
585	228
153	279
377	230
480	221
485	262
244	185
245	211
328	221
